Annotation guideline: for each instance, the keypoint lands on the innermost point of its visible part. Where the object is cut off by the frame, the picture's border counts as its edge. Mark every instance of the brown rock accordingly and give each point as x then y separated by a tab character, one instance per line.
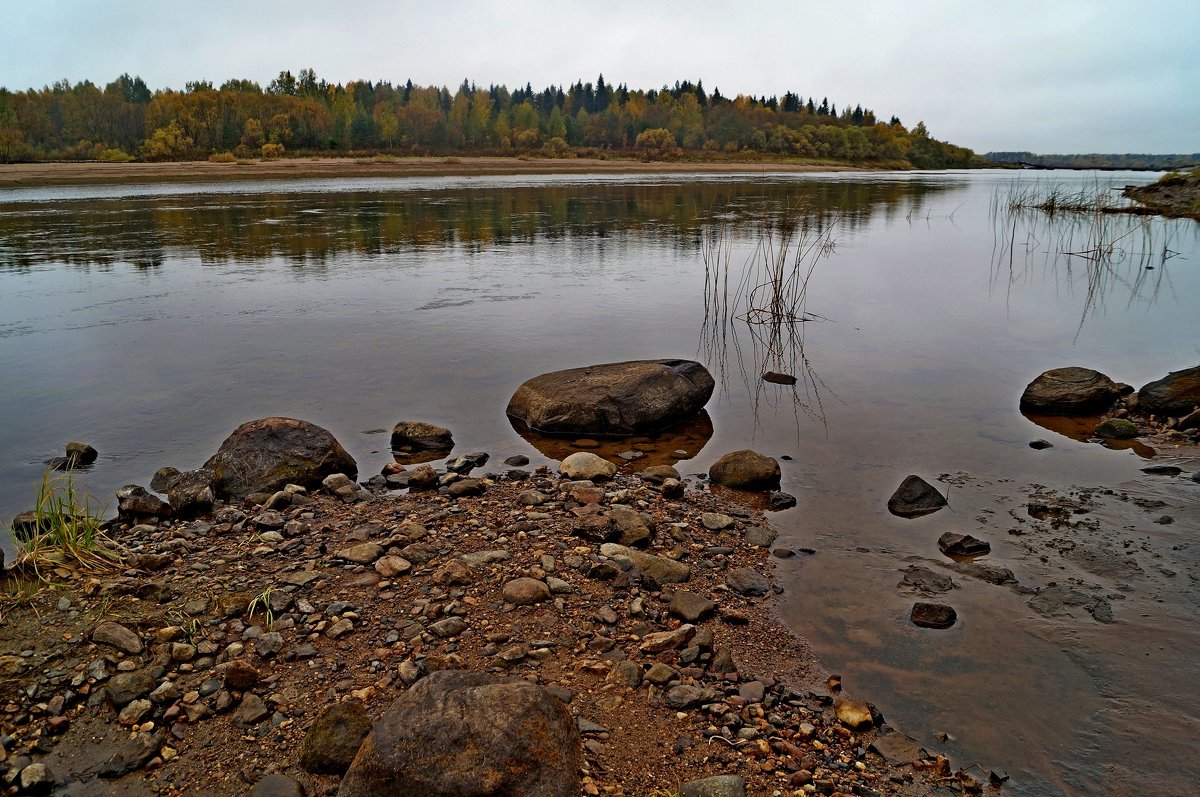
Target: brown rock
1069	391
268	454
464	734
614	398
854	714
745	470
524	591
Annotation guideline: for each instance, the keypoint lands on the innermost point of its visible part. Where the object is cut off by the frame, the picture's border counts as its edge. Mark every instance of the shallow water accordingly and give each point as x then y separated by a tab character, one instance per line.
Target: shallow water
152	320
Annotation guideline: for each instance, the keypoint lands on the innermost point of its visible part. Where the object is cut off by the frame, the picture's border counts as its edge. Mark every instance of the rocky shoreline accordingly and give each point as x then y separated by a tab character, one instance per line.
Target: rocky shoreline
212	661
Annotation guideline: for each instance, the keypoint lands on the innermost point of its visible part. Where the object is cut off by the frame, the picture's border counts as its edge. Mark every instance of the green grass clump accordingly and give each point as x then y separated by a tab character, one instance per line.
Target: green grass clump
65	534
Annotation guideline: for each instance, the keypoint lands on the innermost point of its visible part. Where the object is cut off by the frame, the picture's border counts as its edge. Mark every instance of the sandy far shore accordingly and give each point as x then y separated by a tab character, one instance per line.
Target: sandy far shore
25	175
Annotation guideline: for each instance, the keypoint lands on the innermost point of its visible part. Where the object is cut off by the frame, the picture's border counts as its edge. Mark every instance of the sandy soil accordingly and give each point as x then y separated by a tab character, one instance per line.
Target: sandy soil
20	175
187	589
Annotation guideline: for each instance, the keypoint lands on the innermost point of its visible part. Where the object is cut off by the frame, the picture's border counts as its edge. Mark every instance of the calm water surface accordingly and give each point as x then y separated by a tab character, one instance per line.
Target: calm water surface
152	320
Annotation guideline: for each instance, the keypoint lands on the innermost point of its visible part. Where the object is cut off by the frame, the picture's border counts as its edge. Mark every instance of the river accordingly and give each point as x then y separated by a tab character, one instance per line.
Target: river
150	320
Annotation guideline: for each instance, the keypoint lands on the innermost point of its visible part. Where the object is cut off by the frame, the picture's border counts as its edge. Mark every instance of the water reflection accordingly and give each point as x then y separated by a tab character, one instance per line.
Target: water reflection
307	229
755	311
682	441
1106	254
1083	430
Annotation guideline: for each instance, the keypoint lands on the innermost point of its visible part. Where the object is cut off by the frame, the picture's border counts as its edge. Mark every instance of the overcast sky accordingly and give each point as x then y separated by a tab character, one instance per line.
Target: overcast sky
1048	76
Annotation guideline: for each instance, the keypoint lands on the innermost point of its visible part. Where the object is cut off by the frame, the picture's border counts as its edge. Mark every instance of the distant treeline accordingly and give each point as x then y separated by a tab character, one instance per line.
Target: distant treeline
1096	161
304	114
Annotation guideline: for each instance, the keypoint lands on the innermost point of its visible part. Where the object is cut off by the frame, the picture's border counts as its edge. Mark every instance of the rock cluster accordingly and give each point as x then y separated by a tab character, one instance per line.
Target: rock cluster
614	616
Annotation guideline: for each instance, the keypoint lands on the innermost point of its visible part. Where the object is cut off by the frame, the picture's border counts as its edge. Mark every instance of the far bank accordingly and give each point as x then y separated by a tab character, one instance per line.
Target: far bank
29	175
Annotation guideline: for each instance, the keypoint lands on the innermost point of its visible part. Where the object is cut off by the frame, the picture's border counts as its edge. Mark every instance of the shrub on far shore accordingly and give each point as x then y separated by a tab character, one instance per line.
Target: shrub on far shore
272	150
222	157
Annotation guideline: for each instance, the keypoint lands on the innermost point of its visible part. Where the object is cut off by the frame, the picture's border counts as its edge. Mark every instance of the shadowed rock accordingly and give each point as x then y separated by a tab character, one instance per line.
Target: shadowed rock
616	399
466	734
915	497
334	739
1069	391
266	455
1177	393
933	615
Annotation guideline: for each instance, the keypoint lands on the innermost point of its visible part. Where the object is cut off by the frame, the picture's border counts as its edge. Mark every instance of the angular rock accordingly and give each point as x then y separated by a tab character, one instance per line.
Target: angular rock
392	566
659	568
1069	391
673	489
919	580
952	544
759	537
251	711
265	455
933	615
125	687
240	676
421	436
586	465
660	673
685	696
633	529
1177	393
191	493
614	398
134	504
132	755
627	673
745	470
464	734
691	607
334	738
747	581
777	500
659	641
118	636
898	749
717	785
80	454
992	574
915	497
524	591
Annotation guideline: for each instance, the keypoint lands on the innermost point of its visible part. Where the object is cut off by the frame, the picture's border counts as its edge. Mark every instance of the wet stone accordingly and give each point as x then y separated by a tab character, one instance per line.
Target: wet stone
953	544
915	497
933	615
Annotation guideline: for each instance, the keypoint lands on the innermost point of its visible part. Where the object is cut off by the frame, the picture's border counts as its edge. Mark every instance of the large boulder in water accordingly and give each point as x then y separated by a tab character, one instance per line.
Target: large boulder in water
1069	391
467	734
265	455
626	398
1177	393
